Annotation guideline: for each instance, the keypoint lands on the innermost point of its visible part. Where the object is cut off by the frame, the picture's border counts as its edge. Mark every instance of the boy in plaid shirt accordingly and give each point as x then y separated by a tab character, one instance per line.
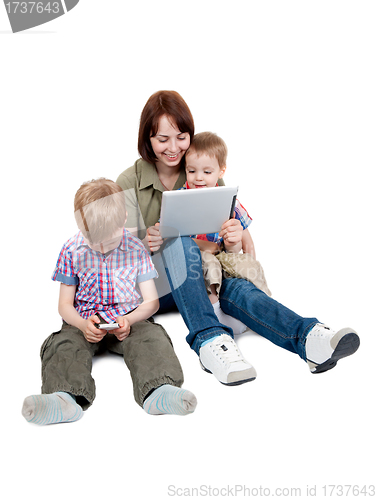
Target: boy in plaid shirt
106	276
205	164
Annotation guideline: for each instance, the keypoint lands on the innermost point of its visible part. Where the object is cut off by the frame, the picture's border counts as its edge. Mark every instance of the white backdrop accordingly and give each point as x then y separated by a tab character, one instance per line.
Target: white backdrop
291	87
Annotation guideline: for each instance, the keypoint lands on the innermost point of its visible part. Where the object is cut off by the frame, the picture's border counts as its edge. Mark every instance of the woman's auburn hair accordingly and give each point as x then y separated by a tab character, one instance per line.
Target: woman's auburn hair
163	102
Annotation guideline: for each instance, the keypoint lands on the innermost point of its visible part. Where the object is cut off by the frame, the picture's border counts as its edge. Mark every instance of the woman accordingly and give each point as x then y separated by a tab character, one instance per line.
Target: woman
166	129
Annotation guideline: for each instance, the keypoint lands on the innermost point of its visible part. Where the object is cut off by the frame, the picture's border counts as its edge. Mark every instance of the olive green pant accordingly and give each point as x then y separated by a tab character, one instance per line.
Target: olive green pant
147	351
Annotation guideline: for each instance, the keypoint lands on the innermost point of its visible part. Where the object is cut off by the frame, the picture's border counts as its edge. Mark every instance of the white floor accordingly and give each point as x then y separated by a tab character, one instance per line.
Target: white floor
290	86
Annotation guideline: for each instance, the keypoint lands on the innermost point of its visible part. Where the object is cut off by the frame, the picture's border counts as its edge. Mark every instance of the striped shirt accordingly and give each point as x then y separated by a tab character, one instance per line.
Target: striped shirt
240	214
106	284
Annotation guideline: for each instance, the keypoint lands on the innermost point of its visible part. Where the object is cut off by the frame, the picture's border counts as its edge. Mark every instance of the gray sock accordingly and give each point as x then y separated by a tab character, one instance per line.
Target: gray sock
168	399
53	408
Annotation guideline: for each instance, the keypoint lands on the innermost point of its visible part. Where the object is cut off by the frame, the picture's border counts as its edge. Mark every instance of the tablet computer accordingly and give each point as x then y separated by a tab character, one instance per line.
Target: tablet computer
188	212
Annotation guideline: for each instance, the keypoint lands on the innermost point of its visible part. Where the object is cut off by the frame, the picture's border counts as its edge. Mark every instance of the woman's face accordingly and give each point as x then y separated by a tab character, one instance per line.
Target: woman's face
169	144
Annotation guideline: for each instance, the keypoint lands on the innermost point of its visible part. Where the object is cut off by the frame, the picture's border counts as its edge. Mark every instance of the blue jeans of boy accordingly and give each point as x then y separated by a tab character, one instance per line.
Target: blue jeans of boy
238	298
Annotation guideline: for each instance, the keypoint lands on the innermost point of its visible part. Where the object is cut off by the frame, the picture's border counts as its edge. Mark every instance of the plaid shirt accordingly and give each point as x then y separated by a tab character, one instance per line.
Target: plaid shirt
105	284
240	214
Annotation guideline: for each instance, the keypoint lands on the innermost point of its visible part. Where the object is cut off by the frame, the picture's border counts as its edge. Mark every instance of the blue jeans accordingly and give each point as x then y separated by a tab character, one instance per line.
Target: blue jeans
267	317
238	298
183	265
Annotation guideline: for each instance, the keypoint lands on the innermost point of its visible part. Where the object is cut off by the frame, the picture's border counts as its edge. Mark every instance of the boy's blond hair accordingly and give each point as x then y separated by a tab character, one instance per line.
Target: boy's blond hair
100	209
210	144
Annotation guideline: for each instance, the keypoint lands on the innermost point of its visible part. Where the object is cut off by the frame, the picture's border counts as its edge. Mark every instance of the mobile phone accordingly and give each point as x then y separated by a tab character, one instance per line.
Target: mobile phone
108	326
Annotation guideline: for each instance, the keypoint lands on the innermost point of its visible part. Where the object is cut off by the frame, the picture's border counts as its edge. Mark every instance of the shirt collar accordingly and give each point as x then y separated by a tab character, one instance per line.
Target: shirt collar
80	242
123	245
149	177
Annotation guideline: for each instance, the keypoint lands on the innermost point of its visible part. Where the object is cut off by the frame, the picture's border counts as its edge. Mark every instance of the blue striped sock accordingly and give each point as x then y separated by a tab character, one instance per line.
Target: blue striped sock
168	399
53	408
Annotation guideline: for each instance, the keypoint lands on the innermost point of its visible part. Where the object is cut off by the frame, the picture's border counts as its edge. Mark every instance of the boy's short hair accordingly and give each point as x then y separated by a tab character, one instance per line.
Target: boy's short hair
100	209
210	144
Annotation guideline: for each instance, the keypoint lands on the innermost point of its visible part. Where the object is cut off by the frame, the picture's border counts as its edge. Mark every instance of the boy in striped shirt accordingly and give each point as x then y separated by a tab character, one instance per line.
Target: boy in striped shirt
106	277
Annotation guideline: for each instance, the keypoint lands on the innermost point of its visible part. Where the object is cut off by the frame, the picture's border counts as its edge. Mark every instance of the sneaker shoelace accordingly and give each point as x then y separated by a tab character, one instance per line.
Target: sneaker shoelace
227	352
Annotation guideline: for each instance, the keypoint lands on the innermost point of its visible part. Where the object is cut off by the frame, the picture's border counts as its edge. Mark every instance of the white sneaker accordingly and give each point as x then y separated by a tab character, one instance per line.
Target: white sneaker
324	347
223	358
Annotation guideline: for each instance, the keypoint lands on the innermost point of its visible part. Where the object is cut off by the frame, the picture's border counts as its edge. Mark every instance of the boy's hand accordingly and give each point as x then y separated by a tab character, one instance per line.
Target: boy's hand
124	328
231	232
91	333
153	238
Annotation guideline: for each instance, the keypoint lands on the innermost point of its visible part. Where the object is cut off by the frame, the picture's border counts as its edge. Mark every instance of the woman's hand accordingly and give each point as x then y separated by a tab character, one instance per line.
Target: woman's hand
231	232
153	238
124	328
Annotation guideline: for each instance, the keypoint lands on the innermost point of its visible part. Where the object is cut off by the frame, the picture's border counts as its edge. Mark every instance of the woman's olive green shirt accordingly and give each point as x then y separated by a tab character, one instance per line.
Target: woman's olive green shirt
143	191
